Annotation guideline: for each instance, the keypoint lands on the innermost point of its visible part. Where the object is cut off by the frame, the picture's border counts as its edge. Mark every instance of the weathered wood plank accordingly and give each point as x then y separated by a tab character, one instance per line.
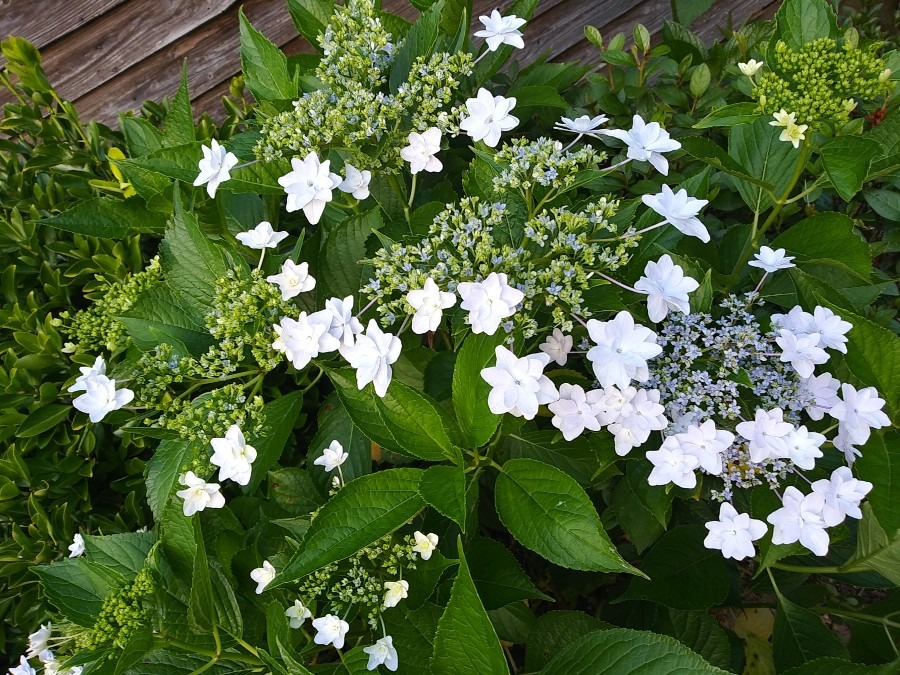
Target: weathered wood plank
44	21
213	58
127	35
561	27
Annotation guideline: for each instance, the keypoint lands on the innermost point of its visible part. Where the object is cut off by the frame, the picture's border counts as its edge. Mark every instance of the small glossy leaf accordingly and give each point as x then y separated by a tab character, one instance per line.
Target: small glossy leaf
444	488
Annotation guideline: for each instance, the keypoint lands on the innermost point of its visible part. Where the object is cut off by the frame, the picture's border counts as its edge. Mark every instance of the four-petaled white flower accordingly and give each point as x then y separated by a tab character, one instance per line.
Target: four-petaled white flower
199	495
749	69
842	494
100	397
356	183
309	185
622	350
382	653
261	237
707	444
395	591
801	351
672	465
858	412
518	385
680	210
584	125
489	302
501	30
372	355
803	447
766	435
425	545
557	346
293	280
666	288
298	613
800	519
263	576
429	303
304	338
39	640
771	260
576	410
24	668
421	151
215	166
488	116
734	533
331	630
88	373
342	326
332	457
76	548
646	143
233	455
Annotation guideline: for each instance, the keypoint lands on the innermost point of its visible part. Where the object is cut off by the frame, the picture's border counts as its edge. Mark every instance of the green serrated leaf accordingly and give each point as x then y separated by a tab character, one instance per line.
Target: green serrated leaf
549	513
498	575
801	21
800	636
264	65
444	488
465	641
363	511
471	391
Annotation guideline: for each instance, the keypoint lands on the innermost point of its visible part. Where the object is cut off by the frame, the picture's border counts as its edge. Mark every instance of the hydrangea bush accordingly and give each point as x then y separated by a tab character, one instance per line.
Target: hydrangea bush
453	369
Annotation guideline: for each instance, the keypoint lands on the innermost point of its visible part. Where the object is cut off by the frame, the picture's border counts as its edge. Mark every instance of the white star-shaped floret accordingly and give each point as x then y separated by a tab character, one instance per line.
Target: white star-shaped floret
261	237
831	328
584	125
734	533
488	116
429	303
859	411
622	350
680	210
501	30
425	544
304	338
646	143
297	614
707	444
803	447
557	346
372	355
576	410
489	302
771	260
382	653
766	435
76	548
666	288
332	457
263	576
87	373
356	182
518	385
309	185
749	69
331	630
672	465
233	455
801	351
199	495
394	592
215	166
293	279
800	518
100	397
842	494
421	151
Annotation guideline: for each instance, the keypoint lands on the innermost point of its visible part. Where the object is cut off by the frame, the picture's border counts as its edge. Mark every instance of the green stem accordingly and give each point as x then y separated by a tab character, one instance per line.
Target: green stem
228	656
805	569
757	233
392	179
412	191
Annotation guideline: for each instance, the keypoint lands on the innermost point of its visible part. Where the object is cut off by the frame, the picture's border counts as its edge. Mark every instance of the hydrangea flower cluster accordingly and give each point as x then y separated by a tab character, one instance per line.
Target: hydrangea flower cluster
821	82
353	107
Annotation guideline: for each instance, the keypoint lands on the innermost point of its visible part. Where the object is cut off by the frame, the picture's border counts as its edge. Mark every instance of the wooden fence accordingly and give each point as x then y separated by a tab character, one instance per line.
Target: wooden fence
109	56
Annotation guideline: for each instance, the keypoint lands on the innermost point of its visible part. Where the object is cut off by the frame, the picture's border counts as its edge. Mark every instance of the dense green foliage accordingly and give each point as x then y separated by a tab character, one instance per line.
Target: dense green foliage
551	556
